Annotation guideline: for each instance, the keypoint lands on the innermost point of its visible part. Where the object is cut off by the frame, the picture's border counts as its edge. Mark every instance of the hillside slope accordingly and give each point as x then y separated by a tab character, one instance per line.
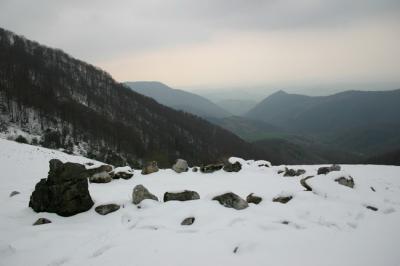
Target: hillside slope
332	221
178	99
361	121
69	104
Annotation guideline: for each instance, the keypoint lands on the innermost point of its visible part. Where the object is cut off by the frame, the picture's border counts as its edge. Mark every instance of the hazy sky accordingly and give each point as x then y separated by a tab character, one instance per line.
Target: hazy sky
307	44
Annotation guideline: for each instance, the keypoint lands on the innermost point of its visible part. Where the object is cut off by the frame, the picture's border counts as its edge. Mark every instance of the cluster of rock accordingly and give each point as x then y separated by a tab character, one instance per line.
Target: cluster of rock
65	190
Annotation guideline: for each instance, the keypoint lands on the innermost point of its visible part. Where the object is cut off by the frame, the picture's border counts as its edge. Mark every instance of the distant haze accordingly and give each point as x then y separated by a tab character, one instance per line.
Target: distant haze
315	47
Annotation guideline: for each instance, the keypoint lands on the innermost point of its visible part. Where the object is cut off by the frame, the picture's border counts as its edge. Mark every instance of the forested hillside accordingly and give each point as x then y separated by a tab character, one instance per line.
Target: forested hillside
69	104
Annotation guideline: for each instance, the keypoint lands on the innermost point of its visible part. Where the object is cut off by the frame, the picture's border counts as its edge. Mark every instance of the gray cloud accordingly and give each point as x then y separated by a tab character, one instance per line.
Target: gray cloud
101	30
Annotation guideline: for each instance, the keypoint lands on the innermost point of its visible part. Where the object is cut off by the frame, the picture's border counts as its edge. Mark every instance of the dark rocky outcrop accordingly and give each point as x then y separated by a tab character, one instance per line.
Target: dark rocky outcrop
346	181
141	193
232	167
181	196
231	200
188	221
327	169
107	208
12	194
304	183
149	168
251	198
42	221
180	166
65	191
210	168
282	199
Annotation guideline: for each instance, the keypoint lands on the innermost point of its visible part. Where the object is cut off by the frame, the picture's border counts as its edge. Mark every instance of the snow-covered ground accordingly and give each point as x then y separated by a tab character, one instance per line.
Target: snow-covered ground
329	226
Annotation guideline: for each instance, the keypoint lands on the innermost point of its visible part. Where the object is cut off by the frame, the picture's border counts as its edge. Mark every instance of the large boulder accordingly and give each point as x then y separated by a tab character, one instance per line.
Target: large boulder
65	191
107	208
232	167
180	166
181	196
211	168
231	200
141	193
150	167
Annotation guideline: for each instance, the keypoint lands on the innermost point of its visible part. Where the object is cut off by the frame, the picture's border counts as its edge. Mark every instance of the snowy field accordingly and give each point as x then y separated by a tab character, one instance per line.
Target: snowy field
329	226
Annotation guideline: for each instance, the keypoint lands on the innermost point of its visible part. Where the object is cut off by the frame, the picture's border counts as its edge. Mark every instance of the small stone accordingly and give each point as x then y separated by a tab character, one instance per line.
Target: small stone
100	178
107	208
372	208
373	189
42	221
232	167
231	200
285	222
180	166
253	199
346	181
304	183
181	196
141	193
283	199
195	169
149	168
211	168
325	170
293	172
235	250
188	221
12	194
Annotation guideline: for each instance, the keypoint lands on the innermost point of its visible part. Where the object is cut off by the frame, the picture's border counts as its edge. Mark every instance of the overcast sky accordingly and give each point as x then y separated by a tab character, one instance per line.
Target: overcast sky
307	44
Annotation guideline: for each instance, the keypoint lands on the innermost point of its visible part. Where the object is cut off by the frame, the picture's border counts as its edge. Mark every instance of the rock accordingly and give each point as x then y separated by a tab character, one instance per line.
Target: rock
42	221
107	208
282	199
253	199
12	194
195	169
211	168
122	172
150	167
188	221
141	193
235	250
304	183
180	166
373	189
346	181
372	208
102	177
65	191
100	174
325	170
181	196
293	172
231	200
232	167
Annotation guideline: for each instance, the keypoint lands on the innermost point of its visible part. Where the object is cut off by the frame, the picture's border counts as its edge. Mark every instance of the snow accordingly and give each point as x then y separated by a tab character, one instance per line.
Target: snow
329	226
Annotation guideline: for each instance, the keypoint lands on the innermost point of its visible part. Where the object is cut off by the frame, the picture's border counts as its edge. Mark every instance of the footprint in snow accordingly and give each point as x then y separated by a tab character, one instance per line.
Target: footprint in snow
101	251
58	262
